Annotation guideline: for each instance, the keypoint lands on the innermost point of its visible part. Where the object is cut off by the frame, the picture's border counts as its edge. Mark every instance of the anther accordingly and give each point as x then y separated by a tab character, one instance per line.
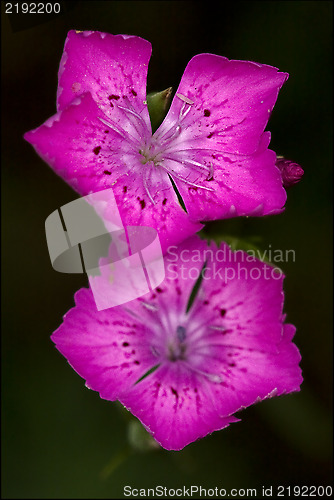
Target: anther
181	333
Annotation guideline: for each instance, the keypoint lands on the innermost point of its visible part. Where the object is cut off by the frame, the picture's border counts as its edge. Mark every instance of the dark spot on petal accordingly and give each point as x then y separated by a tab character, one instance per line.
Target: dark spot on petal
133	351
111	105
195	390
125	188
207	112
210	135
231	364
159	290
225	158
133	92
106	131
107	172
124	96
210	178
164	201
222	312
178	291
136	362
174	391
97	150
113	96
243	370
125	344
142	204
206	302
192	189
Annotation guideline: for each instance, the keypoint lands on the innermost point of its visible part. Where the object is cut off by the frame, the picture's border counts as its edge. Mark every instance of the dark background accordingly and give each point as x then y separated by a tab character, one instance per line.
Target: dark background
57	436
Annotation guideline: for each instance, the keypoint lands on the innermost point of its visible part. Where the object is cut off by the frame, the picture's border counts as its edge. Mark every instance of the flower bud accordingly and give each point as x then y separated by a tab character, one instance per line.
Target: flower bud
291	172
158	104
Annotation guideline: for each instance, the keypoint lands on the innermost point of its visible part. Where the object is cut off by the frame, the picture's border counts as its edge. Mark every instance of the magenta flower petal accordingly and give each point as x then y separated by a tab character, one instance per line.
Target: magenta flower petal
109	351
230	101
212	143
241	185
108	66
221	109
175	406
185	370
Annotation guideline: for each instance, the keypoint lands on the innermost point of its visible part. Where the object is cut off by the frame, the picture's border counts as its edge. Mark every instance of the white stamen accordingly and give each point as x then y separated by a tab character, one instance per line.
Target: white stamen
133	112
171	134
200	165
172	173
184	111
185	99
213	377
126	136
139	121
145	172
219	328
149	306
155	351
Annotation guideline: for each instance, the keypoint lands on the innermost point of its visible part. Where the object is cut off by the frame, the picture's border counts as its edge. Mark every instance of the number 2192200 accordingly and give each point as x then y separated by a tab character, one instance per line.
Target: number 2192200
32	8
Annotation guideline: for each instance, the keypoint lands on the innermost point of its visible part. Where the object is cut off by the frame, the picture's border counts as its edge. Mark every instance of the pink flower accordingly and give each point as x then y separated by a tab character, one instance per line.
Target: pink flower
212	142
184	369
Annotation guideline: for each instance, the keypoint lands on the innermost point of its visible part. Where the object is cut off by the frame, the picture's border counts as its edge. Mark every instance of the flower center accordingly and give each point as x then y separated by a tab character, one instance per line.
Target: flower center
162	149
177	348
150	153
190	344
